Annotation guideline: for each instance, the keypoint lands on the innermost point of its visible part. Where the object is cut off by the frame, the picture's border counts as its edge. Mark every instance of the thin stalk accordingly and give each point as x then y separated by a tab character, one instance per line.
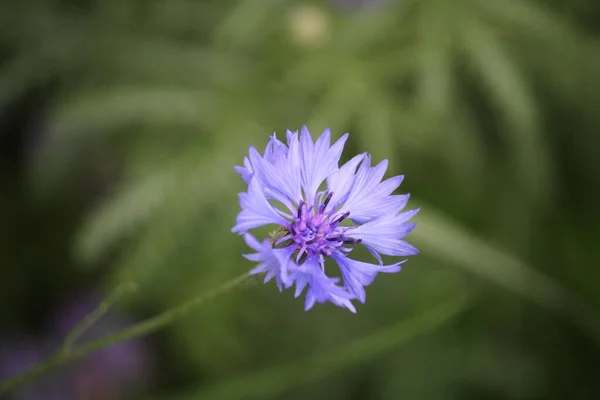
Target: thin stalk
95	315
142	328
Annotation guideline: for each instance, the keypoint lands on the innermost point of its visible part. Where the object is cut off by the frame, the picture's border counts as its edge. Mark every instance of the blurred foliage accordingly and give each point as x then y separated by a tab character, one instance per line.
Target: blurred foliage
128	117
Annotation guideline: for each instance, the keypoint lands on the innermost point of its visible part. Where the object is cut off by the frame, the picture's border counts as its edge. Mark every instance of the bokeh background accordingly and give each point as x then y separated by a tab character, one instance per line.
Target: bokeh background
120	124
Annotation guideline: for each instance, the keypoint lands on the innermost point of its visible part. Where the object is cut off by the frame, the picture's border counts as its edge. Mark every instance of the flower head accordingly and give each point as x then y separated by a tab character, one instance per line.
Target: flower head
316	222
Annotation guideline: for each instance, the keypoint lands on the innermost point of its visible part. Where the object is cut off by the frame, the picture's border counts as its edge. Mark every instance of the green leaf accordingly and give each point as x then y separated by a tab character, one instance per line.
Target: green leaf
501	76
192	182
447	240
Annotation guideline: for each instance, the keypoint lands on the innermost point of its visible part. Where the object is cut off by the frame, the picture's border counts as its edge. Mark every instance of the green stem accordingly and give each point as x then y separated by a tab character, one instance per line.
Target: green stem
142	328
94	316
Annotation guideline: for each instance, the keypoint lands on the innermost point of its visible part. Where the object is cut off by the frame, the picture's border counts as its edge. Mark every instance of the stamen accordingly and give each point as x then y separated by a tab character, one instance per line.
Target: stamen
325	203
328	199
317	237
314	233
341	217
300	206
337	238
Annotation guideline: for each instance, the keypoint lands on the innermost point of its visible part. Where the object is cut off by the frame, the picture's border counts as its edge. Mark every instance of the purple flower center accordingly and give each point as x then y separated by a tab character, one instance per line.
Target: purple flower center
315	230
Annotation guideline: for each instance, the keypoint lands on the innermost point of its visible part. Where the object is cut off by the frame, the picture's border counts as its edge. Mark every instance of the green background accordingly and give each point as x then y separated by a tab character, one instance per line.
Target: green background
122	121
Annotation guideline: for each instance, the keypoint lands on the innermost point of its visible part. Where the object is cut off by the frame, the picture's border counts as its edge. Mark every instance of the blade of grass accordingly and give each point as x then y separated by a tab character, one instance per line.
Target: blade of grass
278	379
443	238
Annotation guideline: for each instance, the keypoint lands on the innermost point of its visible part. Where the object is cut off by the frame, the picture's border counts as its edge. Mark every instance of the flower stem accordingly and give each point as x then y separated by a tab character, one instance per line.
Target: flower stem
142	328
95	315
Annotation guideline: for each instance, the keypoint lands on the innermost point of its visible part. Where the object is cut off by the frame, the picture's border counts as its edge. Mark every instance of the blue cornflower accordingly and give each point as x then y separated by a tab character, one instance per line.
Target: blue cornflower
315	223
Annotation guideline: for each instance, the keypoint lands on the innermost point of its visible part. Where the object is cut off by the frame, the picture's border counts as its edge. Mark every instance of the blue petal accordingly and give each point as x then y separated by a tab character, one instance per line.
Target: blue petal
372	207
272	262
358	274
290	169
386	187
246	171
369	198
290	136
318	160
256	210
286	162
321	288
383	235
270	178
276	151
341	181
